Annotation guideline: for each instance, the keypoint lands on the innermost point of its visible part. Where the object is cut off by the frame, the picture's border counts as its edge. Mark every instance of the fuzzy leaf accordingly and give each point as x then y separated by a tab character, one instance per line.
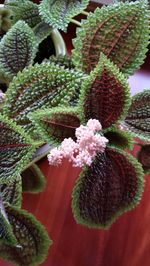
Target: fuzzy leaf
33	241
120	31
17	49
12	193
16	148
42	31
119	138
24	10
112	185
138	118
104	94
54	125
6	233
40	86
33	179
61	60
58	13
144	157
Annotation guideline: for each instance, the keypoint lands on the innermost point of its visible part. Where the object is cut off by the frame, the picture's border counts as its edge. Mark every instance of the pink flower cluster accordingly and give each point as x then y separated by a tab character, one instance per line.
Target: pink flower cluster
84	149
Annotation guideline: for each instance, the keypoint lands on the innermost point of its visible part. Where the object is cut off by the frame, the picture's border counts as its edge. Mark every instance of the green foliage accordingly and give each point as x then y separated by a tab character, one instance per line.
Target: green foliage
32	239
24	10
112	185
40	86
137	120
17	49
56	124
120	31
104	94
62	60
33	179
144	157
12	193
42	31
58	13
5	19
16	148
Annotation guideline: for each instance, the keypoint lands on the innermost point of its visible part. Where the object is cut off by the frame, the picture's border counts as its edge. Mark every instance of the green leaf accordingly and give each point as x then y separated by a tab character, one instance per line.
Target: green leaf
33	179
12	193
137	120
5	19
62	60
42	31
24	10
33	241
16	148
40	86
6	233
104	94
120	31
58	13
119	138
144	157
112	185
17	49
56	124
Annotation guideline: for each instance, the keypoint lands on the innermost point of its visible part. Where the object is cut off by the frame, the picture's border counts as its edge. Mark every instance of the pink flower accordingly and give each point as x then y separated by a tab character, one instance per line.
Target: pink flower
84	149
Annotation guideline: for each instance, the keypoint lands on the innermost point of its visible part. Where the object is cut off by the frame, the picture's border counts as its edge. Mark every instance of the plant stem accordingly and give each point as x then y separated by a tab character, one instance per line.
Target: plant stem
75	22
85	13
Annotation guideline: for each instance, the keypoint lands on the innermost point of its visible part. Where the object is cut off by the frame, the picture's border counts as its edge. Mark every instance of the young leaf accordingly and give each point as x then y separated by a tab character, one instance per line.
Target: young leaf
119	138
17	49
104	94
144	158
33	179
58	13
56	124
120	31
24	10
16	148
137	120
33	241
40	86
112	185
12	193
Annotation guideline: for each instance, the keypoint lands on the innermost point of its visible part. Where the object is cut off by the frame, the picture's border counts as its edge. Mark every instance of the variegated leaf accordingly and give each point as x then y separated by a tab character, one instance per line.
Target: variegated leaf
138	118
32	239
112	185
58	13
120	31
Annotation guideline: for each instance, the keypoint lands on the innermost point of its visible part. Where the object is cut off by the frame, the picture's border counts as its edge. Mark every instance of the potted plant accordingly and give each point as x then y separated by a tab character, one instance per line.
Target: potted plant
81	107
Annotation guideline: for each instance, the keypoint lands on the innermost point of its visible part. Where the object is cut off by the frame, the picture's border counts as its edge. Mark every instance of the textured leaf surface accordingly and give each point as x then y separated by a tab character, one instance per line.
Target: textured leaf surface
17	49
104	94
58	13
24	10
16	148
138	117
61	60
33	179
144	157
120	31
54	125
40	86
112	185
119	138
12	192
42	31
6	233
33	241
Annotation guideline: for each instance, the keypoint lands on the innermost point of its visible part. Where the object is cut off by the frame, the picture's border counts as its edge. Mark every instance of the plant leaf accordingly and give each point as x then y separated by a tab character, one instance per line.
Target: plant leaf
12	193
56	124
24	10
33	241
40	86
144	158
42	31
16	148
120	31
58	13
17	49
5	20
62	60
119	138
33	179
137	120
112	185
104	94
